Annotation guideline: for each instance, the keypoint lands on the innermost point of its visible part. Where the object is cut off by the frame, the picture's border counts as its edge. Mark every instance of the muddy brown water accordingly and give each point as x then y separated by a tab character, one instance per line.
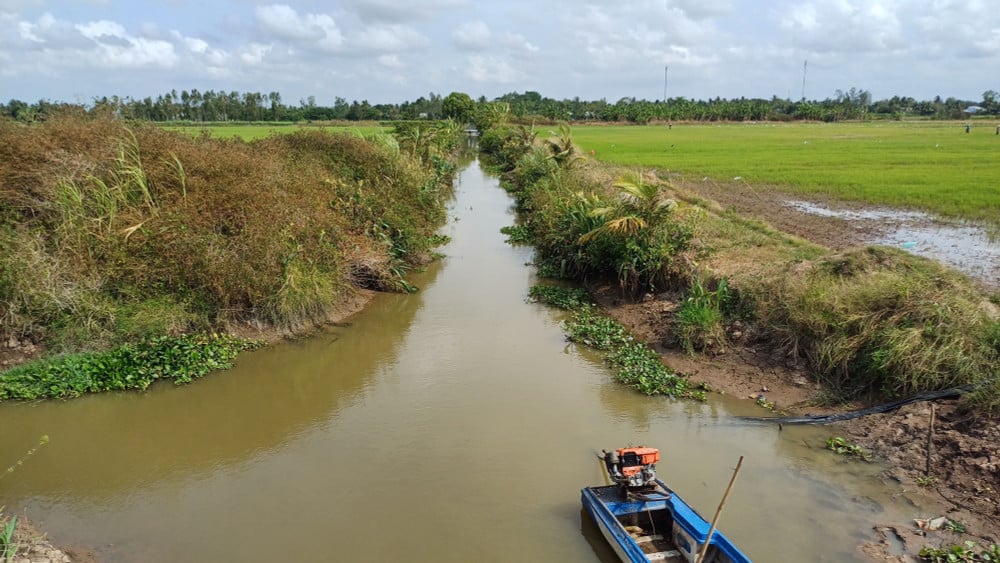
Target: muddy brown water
454	424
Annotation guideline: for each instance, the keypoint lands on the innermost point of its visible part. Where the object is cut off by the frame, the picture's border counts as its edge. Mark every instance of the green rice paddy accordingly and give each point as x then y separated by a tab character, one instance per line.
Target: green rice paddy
259	131
932	166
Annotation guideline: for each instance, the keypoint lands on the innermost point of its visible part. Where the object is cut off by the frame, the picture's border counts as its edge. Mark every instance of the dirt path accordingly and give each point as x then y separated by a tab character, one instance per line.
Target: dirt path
964	481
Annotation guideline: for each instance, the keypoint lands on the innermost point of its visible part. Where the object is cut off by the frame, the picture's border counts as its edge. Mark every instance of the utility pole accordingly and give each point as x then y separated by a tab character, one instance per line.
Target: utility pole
665	69
804	63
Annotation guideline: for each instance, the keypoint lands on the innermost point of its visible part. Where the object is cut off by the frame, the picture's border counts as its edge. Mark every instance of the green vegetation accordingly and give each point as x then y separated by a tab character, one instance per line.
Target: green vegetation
926	480
932	166
633	362
567	298
841	446
869	322
131	366
459	107
254	131
7	547
881	320
699	323
528	107
113	234
627	228
968	551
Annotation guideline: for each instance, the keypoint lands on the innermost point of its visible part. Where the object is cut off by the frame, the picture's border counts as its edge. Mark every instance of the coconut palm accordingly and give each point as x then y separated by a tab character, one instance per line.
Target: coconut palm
561	147
636	238
640	206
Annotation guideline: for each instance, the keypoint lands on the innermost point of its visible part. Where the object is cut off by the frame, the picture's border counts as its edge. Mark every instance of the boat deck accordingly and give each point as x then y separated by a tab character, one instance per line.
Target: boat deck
658	548
648	522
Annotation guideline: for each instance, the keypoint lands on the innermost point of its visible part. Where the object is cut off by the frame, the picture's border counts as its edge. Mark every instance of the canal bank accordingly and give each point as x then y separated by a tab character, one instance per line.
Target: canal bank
447	425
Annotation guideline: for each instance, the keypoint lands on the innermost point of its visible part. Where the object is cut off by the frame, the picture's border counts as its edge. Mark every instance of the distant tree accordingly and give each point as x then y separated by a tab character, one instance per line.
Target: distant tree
991	102
458	106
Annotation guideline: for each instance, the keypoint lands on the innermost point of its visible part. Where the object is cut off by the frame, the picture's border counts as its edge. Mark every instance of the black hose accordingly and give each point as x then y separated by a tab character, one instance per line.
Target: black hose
826	419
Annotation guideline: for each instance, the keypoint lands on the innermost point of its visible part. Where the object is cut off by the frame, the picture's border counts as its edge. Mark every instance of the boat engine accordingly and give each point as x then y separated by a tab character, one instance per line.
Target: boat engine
632	467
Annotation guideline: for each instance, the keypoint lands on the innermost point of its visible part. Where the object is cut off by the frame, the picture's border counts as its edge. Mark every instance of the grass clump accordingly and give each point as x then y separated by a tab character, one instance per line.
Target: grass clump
7	546
566	298
699	322
131	366
111	232
881	321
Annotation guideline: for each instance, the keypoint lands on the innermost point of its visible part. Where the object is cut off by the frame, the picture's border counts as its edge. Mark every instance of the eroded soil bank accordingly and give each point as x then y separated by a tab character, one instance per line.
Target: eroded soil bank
963	481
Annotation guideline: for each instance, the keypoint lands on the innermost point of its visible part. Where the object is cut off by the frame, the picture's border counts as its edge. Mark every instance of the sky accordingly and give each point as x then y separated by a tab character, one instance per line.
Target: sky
391	51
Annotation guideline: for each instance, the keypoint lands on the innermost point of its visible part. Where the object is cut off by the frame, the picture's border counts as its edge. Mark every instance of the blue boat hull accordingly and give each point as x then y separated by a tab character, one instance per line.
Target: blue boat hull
682	530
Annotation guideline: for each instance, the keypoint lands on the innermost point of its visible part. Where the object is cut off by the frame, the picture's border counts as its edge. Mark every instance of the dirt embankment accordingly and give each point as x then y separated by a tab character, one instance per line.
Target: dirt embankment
964	479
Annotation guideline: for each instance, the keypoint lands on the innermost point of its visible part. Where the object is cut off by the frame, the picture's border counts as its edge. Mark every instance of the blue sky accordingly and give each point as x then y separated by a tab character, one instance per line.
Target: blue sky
397	50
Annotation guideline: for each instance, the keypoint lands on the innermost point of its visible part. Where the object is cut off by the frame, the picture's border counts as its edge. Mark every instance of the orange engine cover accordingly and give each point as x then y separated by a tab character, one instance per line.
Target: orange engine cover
646	456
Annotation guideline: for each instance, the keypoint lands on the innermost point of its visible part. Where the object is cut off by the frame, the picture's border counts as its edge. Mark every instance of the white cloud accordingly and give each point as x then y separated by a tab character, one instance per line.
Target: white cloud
845	26
390	61
255	54
492	70
213	61
280	21
477	36
392	37
402	10
702	9
473	35
54	43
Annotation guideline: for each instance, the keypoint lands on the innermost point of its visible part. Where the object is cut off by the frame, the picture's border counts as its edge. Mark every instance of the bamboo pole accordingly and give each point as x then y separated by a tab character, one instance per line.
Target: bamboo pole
718	511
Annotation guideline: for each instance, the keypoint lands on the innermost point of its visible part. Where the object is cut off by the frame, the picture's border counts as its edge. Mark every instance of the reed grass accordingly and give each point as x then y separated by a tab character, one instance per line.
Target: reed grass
111	231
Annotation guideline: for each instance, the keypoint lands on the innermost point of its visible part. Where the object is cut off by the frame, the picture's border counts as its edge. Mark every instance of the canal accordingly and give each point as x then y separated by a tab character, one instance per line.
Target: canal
453	424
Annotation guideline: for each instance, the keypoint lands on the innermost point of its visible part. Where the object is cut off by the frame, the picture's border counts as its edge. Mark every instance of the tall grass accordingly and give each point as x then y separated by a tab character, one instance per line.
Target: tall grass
110	232
878	320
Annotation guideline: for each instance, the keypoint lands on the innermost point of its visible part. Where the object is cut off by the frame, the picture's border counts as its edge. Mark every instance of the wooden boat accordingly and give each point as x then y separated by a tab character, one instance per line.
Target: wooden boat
643	520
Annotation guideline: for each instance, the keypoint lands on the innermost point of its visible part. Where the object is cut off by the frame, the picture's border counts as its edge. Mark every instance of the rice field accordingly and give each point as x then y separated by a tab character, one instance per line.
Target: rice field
931	166
259	131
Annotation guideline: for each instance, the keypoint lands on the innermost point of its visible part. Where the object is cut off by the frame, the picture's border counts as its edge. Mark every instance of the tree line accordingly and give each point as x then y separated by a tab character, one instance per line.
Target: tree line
212	106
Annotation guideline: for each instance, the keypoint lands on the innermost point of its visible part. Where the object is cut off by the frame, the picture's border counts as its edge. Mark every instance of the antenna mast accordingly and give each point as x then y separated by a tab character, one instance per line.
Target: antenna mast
665	69
804	63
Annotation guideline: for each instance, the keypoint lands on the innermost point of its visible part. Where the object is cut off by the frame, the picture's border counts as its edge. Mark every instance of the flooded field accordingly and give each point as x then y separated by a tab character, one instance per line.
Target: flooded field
968	248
